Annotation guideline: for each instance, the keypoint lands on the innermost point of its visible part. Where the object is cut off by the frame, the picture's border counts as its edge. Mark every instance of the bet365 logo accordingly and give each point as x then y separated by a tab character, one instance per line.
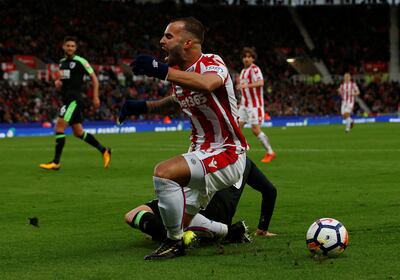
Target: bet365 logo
192	100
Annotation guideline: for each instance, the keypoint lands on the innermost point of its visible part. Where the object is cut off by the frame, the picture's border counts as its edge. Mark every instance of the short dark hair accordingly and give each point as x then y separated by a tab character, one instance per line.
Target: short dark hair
193	26
70	38
250	51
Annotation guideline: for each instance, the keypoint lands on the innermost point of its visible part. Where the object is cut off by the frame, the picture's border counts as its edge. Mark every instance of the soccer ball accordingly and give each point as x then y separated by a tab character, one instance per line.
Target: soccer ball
327	237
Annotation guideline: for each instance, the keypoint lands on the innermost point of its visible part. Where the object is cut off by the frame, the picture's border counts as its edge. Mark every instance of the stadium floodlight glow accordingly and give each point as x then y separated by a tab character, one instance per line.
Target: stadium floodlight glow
290	60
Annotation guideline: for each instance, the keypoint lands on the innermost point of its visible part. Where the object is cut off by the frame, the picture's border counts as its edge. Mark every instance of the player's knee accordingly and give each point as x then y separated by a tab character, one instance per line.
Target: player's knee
163	171
128	217
60	128
131	214
78	133
256	130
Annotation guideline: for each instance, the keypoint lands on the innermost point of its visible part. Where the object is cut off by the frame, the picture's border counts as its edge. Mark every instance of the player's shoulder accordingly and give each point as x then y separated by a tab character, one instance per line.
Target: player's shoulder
84	63
62	60
255	67
213	58
81	59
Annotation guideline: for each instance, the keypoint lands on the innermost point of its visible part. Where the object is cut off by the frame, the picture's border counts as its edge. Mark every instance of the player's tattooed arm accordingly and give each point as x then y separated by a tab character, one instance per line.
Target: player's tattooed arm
162	106
206	82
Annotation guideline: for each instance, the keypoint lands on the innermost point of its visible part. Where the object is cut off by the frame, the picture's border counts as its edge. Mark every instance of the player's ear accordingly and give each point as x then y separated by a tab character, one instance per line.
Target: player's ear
188	43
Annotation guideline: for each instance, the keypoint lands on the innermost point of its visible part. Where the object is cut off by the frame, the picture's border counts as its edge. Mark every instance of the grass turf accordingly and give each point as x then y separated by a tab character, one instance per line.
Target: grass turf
319	172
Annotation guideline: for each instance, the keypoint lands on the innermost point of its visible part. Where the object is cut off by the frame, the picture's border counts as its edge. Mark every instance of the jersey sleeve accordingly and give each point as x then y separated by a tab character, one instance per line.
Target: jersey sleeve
256	74
217	66
89	70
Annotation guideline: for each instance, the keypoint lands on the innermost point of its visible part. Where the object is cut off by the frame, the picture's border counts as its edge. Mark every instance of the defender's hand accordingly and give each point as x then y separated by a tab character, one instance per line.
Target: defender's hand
149	66
130	108
264	233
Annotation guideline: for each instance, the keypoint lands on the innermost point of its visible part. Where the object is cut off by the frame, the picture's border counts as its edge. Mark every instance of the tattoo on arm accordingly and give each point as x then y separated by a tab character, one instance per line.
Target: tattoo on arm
164	105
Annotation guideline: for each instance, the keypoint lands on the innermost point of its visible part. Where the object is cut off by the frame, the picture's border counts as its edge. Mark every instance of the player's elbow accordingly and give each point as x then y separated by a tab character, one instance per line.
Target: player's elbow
94	79
210	86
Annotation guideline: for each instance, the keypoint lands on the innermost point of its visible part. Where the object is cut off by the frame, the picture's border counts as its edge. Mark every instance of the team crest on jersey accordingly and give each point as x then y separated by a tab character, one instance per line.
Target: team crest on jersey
72	64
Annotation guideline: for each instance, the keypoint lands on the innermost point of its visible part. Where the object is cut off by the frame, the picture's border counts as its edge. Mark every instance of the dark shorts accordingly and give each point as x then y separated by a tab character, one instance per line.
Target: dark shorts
153	204
71	112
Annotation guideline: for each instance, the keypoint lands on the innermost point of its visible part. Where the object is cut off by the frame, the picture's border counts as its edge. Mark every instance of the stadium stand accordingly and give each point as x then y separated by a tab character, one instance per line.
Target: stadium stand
347	37
113	31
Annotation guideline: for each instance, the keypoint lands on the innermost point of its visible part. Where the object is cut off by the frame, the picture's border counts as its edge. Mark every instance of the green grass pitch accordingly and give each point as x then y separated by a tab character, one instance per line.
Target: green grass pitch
319	172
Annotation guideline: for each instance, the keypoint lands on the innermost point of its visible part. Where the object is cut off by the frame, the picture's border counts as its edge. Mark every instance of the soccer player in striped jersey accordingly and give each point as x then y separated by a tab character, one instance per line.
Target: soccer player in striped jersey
72	70
203	90
348	90
251	108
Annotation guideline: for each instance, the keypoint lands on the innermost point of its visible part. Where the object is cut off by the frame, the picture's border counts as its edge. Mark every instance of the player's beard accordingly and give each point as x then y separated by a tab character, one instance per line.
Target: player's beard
175	56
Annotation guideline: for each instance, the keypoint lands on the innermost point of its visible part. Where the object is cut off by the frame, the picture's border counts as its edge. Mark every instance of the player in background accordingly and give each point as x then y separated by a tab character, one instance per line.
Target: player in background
219	212
204	91
72	70
251	108
348	90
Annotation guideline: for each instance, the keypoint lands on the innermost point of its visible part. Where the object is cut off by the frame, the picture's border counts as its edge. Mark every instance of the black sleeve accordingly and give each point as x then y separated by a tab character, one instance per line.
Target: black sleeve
259	182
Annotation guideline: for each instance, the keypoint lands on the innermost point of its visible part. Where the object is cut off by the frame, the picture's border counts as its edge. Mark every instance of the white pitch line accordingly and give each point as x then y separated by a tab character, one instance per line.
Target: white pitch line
151	147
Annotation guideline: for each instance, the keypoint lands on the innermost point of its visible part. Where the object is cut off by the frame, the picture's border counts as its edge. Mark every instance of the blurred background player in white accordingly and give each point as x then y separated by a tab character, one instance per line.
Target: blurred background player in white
251	108
348	90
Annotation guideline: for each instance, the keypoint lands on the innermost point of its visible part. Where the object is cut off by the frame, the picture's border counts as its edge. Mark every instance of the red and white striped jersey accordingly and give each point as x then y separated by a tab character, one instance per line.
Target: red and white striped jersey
213	116
252	97
347	91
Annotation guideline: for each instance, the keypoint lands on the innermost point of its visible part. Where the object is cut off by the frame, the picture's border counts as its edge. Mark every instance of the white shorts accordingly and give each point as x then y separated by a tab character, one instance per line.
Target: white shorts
251	115
211	171
346	108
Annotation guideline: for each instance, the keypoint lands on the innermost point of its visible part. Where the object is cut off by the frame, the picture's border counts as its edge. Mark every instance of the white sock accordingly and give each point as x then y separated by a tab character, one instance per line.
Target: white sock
171	203
348	123
219	229
265	142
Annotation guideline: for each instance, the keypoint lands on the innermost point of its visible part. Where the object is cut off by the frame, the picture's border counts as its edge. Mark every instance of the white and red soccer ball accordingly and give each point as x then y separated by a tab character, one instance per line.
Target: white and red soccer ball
327	237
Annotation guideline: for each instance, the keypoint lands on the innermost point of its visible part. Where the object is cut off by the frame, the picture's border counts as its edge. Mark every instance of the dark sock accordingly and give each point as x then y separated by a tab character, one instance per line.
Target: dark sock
60	142
89	138
150	224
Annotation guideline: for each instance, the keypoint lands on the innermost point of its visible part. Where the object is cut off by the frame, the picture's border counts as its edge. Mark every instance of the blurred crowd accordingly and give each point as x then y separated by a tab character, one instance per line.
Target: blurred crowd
109	31
346	37
38	101
112	30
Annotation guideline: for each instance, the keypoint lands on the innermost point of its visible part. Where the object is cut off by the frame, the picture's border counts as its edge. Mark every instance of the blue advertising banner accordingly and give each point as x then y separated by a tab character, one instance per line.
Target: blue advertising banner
101	127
